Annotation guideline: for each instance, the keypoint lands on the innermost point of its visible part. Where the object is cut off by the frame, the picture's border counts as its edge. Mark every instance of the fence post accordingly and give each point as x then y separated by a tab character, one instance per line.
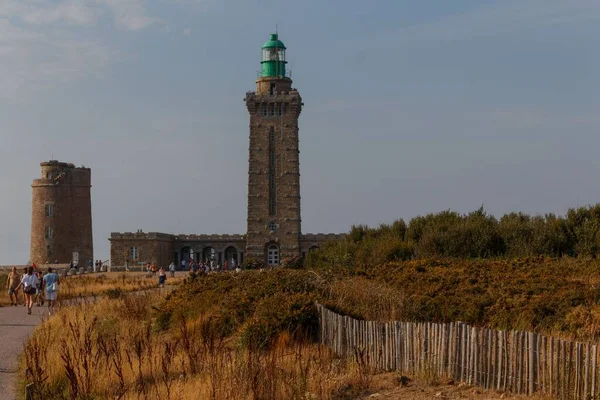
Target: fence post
594	361
532	369
499	360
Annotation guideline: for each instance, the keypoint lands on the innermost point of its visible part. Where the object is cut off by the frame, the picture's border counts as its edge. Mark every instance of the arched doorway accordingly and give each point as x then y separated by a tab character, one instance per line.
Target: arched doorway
208	254
187	254
231	255
272	255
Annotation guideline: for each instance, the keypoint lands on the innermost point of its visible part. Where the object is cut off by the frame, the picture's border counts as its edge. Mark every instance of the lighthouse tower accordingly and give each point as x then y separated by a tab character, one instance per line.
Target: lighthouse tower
274	223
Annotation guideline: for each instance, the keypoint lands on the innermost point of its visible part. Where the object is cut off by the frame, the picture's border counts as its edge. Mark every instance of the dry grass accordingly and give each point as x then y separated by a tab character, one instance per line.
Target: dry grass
108	349
112	284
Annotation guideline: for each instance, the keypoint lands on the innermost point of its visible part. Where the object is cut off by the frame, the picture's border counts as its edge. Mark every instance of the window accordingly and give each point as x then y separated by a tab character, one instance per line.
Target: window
273	54
49	210
272	88
264	109
134	253
48	175
273	255
49	232
272	226
272	109
272	192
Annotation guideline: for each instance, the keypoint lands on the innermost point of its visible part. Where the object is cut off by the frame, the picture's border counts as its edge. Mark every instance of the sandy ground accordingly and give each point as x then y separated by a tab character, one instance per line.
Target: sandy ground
387	387
15	327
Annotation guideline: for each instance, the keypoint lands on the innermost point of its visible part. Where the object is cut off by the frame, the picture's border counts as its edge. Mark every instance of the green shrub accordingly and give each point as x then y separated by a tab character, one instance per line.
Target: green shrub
295	313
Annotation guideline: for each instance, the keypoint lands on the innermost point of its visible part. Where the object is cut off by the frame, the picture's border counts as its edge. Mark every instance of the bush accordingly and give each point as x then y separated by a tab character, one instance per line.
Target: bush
292	263
473	235
253	263
257	306
281	312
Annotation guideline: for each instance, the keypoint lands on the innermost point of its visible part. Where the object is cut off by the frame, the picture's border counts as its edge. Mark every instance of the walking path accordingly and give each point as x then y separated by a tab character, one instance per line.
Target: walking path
15	327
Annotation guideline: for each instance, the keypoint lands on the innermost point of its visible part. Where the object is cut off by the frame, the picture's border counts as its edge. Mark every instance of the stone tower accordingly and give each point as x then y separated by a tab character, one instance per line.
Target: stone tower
61	215
274	223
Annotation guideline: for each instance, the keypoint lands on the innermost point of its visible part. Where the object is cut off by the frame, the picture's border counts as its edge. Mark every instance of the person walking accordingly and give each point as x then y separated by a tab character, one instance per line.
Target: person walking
39	293
172	269
50	284
29	283
162	277
22	291
154	268
12	284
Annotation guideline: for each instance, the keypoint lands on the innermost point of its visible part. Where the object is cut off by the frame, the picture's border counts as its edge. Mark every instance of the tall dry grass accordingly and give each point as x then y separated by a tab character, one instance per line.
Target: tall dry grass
112	284
110	349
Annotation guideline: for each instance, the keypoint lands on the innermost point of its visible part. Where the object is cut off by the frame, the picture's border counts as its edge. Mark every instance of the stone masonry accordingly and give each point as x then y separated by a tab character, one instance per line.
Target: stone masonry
162	248
61	215
274	169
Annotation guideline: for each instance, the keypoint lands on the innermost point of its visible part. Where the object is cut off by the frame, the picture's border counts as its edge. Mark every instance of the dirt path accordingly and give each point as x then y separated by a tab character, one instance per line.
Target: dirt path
15	327
388	387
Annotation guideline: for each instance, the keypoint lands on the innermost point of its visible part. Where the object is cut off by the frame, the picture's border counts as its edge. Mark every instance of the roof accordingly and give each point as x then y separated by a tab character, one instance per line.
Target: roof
274	42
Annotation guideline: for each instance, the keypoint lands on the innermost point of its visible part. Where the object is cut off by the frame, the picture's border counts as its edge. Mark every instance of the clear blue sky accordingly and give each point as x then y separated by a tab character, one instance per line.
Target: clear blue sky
411	107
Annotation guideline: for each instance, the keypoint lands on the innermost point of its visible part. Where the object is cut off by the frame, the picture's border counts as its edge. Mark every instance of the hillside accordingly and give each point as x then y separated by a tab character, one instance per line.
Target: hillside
558	296
258	328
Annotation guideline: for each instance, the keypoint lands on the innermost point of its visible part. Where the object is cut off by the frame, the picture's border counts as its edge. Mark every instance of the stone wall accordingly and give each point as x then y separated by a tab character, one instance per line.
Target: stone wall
151	248
68	229
163	248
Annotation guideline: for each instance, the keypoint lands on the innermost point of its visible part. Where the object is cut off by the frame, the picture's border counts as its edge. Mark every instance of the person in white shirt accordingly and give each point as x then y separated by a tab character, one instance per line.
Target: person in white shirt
50	283
172	269
29	283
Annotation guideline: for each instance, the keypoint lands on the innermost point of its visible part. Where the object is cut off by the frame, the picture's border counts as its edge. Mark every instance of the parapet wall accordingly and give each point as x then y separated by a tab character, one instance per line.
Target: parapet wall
178	237
140	236
209	238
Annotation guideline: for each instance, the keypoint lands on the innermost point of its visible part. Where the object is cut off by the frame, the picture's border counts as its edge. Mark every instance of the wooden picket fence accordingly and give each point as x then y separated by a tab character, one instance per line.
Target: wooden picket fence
513	361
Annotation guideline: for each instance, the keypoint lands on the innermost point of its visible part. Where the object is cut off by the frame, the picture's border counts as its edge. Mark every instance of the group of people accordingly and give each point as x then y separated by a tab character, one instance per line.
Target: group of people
34	286
153	269
92	266
206	266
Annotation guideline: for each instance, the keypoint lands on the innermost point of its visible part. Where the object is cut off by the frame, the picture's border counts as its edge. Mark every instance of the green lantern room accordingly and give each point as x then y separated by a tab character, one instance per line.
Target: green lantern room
273	57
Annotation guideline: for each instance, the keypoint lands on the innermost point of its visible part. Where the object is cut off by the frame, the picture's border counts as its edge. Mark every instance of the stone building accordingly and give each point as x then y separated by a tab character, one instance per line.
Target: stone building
274	223
61	214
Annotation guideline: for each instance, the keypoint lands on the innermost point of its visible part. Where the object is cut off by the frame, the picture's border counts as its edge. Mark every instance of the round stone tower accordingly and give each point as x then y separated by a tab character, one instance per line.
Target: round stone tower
61	215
